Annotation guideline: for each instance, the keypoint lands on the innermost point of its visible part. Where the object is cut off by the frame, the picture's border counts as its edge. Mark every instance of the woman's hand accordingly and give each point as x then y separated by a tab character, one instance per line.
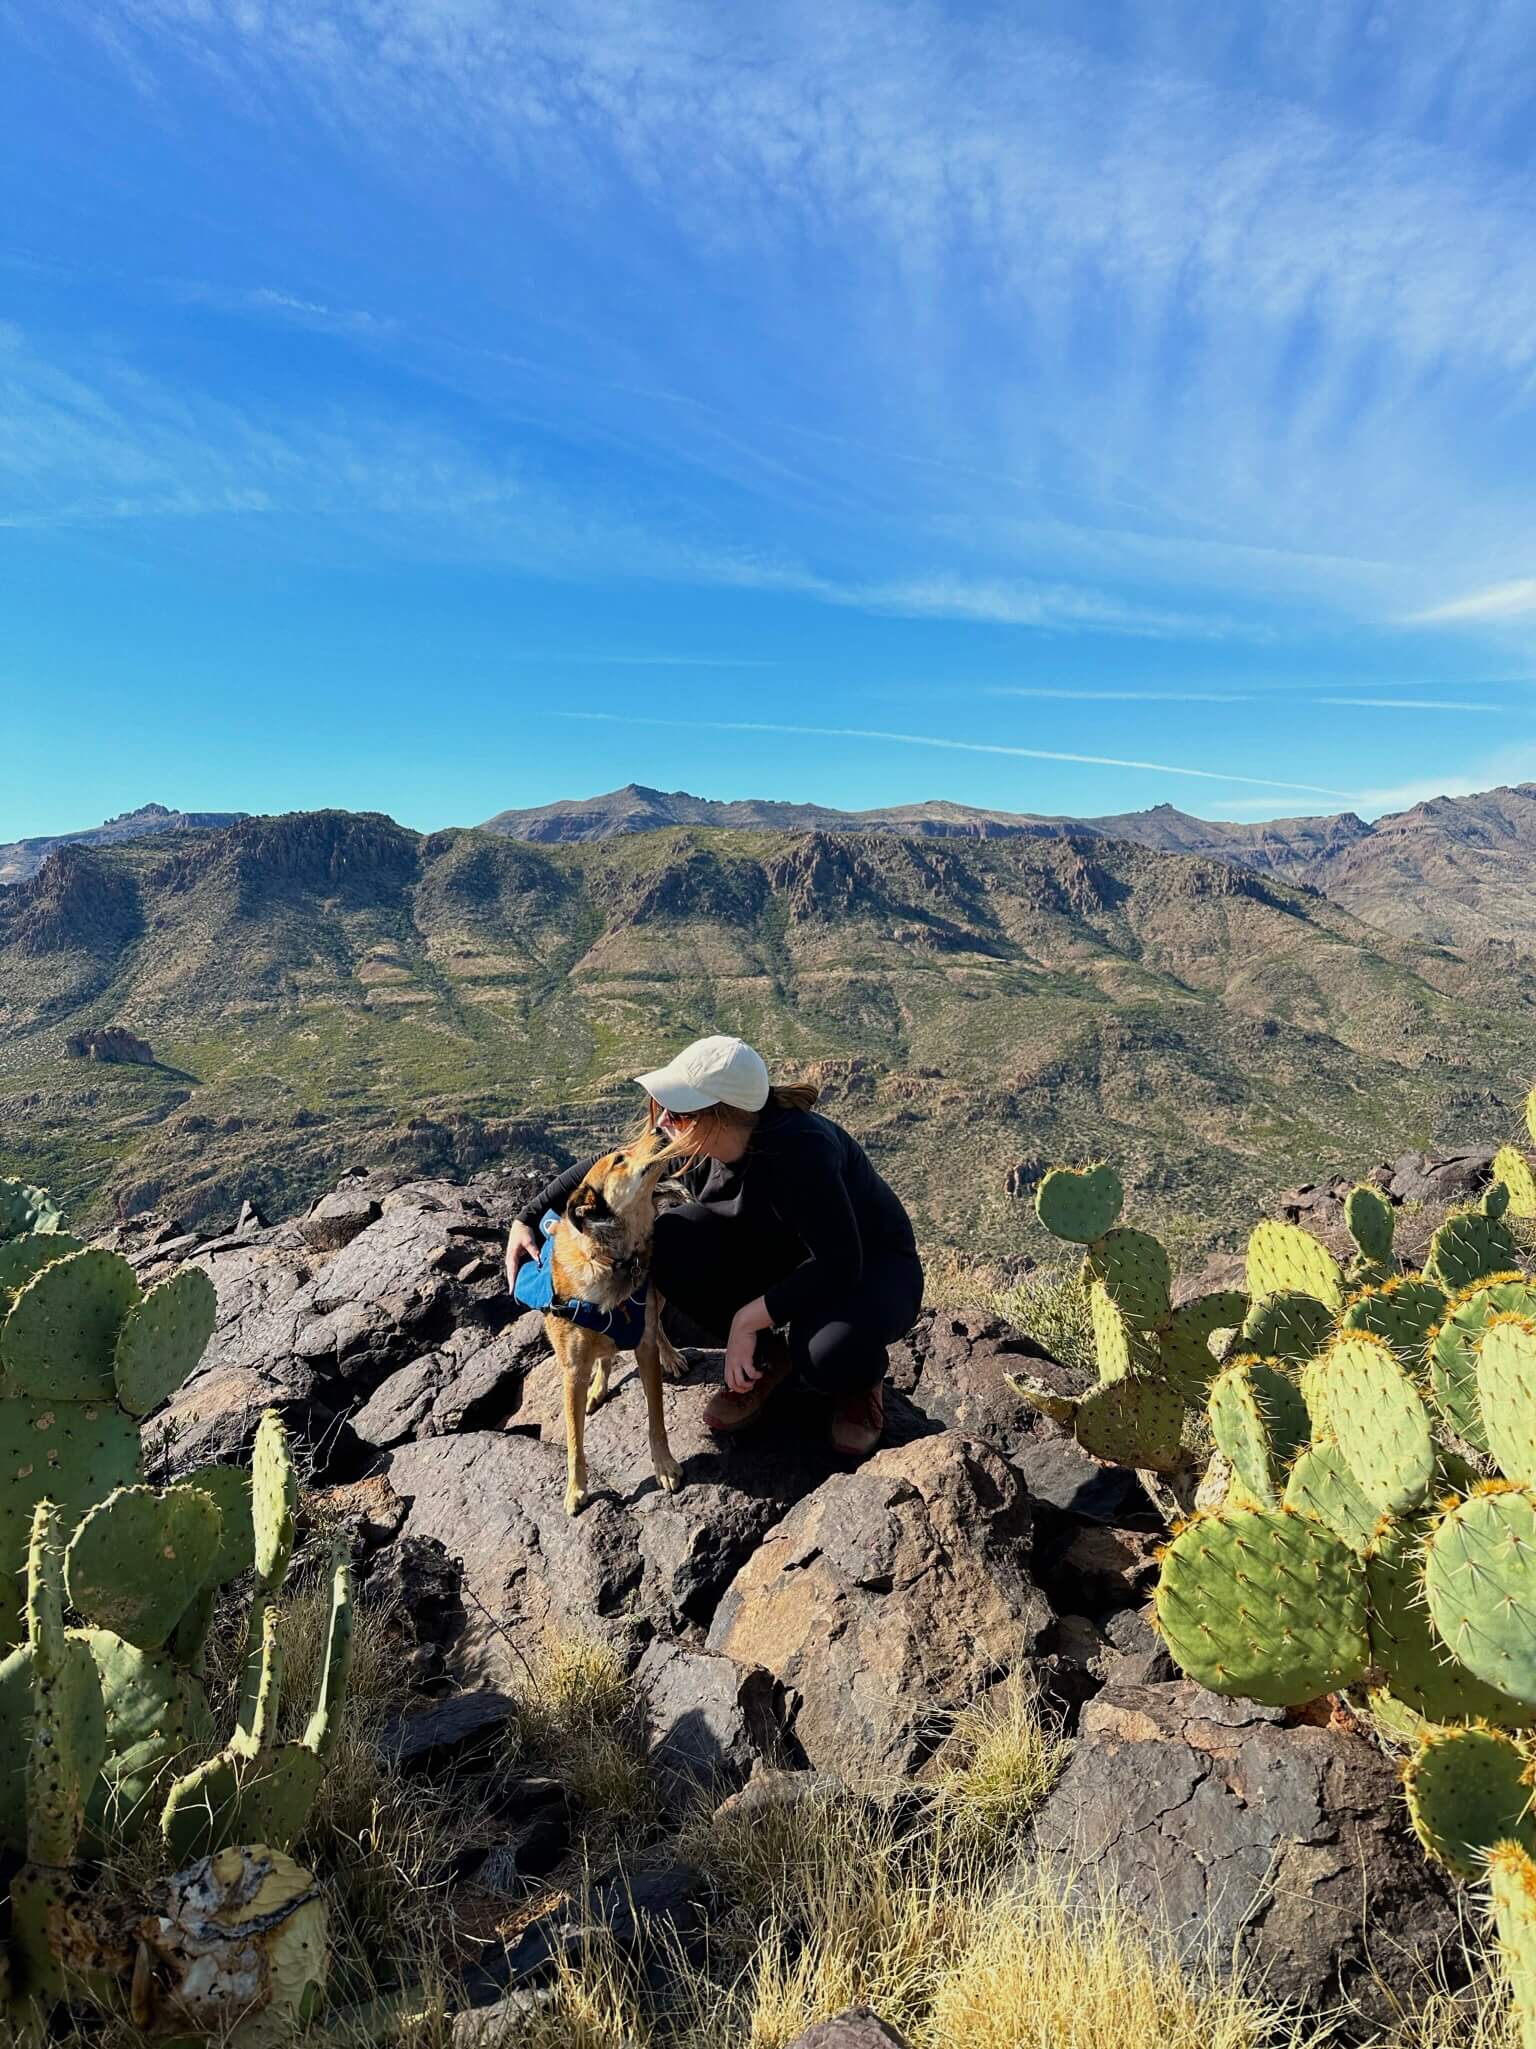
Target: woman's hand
521	1245
741	1371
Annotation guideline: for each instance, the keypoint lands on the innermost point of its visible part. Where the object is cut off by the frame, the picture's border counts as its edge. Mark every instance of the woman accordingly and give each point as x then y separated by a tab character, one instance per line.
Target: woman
792	1252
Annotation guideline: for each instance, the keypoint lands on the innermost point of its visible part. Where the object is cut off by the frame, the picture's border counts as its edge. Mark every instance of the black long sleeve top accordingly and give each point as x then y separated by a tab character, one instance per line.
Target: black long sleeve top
807	1187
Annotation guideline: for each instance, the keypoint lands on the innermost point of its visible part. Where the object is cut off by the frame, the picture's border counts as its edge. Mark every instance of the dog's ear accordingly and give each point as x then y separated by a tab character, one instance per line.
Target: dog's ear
588	1205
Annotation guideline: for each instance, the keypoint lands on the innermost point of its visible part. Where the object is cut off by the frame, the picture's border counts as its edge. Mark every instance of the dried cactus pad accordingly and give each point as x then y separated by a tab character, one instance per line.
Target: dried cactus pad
1420	1670
1044	1400
1266	1604
70	1453
139	1557
1480	1581
58	1340
1080	1203
1466	1791
1382	1425
1284	1259
1506	1395
162	1339
1135	1270
241	1932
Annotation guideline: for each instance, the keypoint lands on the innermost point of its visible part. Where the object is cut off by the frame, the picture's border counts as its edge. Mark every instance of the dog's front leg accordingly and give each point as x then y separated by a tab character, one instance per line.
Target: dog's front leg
669	1474
673	1365
575	1358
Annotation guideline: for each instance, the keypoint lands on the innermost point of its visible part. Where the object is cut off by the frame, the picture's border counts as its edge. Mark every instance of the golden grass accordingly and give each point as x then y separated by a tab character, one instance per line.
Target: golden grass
1049	1304
578	1719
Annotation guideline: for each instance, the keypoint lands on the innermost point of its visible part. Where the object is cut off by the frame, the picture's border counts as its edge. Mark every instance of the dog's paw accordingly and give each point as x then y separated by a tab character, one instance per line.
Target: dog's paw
669	1474
673	1365
597	1391
575	1500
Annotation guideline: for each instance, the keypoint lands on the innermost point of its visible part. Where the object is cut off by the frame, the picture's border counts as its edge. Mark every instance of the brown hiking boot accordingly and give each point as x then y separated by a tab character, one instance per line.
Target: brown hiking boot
858	1422
729	1412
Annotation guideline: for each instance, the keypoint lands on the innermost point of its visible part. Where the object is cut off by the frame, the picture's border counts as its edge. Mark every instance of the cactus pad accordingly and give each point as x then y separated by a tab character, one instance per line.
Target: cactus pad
1321	1484
146	1701
1133	1421
1369	1217
1506	1395
230	1487
324	1724
1285	1260
1266	1604
68	1739
1116	1346
1079	1203
1259	1420
1184	1341
1134	1269
1466	1791
1480	1580
21	1258
276	1796
57	1341
1420	1670
70	1453
1382	1425
1511	1166
1512	1896
1495	1202
162	1339
139	1558
25	1209
1404	1312
1454	1346
1470	1247
1290	1327
201	1807
274	1499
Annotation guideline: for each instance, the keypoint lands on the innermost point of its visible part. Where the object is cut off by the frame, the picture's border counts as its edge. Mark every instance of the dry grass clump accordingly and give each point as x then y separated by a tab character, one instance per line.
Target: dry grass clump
1049	1304
1002	1758
577	1718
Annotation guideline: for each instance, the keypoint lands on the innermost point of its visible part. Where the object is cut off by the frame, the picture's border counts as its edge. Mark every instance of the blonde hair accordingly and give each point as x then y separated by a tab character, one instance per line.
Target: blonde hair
704	1125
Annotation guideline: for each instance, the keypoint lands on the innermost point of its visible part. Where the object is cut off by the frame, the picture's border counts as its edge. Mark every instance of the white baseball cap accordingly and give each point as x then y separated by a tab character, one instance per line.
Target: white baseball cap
710	1071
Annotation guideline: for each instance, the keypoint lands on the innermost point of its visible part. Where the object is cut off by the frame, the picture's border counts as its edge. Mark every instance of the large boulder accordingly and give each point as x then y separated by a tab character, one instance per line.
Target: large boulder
889	1599
709	1722
1280	1850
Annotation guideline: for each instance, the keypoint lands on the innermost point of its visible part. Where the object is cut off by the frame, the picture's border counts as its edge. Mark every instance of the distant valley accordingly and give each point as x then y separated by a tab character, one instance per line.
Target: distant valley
328	988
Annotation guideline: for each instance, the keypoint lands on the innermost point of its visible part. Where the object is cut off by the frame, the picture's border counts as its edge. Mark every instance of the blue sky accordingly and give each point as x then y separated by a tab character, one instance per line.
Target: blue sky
438	405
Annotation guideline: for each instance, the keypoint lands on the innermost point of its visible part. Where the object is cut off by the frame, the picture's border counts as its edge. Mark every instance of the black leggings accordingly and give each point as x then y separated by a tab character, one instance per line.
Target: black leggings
711	1266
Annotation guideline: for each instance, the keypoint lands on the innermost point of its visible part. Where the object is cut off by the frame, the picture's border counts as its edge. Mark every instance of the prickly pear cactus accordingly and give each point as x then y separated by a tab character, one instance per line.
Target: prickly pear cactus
1466	1790
1511	1873
1267	1604
1259	1420
1480	1583
1369	1218
1283	1259
1470	1247
1380	1421
1513	1169
25	1210
1080	1203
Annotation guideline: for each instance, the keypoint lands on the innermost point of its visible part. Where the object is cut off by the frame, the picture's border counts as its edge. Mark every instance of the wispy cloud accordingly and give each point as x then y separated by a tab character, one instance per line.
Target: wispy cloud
1413	704
1206	775
1495	603
1090	696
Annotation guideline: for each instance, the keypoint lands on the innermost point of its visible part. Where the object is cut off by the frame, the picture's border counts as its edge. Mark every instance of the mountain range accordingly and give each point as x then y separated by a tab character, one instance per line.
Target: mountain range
22	858
328	988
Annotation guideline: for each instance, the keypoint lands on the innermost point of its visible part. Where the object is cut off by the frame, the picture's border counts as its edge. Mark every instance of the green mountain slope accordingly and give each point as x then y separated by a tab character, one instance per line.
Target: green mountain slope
328	988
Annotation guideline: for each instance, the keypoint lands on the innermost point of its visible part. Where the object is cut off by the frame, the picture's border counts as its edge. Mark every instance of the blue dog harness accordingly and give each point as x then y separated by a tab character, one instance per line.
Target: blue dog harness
535	1289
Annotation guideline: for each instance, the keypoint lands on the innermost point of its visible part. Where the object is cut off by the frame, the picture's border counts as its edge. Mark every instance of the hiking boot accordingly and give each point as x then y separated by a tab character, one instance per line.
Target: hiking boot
858	1422
729	1412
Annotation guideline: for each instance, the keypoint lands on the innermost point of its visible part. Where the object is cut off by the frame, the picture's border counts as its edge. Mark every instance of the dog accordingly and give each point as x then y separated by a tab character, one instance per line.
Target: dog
600	1254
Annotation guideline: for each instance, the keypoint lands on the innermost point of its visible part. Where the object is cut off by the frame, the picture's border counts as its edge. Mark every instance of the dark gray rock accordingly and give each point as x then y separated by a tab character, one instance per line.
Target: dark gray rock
709	1722
952	1369
647	1915
337	1218
1282	1849
417	1587
888	1599
445	1733
399	1406
1137	1655
859	2027
480	1382
496	1502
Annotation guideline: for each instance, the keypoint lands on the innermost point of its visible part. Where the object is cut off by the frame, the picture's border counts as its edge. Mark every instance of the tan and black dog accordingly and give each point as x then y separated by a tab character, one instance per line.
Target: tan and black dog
601	1252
